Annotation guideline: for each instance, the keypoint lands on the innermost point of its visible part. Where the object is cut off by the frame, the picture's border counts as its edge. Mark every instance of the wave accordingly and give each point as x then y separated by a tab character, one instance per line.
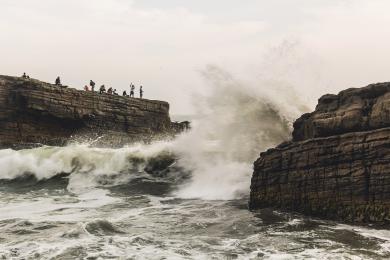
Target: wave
86	166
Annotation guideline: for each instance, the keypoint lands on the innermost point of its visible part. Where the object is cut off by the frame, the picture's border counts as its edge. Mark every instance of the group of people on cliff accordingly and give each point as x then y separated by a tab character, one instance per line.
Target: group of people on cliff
102	89
112	91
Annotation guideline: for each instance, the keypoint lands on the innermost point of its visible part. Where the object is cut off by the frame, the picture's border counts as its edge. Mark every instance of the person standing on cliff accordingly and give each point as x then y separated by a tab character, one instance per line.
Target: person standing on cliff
92	84
58	81
141	92
24	75
132	90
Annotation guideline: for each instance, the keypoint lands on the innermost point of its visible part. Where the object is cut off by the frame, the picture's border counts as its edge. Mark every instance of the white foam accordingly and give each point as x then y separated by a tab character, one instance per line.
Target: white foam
86	164
240	120
69	208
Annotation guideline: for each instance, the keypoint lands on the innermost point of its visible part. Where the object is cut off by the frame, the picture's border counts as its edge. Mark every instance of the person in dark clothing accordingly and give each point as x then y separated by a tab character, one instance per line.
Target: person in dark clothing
109	91
132	90
102	89
24	75
114	92
92	84
124	93
141	92
58	81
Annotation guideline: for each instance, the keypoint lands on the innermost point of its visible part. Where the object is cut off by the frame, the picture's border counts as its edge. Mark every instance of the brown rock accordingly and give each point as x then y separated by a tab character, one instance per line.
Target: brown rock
34	112
338	164
355	109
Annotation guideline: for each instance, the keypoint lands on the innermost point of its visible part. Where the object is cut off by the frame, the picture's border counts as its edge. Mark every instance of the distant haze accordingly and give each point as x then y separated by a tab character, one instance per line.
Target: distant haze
313	46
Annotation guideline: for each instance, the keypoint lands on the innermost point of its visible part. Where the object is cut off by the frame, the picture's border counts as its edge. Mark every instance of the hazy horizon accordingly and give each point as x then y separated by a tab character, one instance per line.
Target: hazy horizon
315	46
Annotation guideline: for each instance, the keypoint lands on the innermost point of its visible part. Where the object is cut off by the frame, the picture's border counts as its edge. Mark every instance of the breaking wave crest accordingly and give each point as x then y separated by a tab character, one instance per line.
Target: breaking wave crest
86	166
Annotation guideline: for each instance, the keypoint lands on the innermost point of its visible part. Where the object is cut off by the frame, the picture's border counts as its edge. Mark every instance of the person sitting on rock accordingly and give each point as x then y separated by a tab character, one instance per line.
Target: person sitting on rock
86	88
124	93
109	91
114	92
141	92
92	84
102	89
24	75
58	81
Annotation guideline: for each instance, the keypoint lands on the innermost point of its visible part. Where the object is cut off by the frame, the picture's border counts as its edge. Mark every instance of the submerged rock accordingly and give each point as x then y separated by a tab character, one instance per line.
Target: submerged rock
338	164
34	112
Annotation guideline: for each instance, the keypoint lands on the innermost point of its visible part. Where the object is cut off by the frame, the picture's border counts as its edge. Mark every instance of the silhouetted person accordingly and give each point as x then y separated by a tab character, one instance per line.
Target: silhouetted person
58	81
109	91
132	90
124	93
92	84
102	89
24	75
141	92
28	77
114	92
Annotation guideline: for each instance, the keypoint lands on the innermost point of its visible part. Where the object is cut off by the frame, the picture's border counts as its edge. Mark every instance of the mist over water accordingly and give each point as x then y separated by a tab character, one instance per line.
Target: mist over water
238	121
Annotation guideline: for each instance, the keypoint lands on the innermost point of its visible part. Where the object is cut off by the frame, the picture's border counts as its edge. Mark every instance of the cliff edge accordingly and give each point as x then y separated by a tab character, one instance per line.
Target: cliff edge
34	112
337	165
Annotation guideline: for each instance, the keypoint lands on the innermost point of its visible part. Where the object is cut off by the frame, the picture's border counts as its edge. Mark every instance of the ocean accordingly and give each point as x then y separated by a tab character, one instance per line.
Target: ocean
81	202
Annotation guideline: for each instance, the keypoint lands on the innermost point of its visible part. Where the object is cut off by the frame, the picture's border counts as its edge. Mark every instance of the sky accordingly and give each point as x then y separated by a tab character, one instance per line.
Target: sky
318	46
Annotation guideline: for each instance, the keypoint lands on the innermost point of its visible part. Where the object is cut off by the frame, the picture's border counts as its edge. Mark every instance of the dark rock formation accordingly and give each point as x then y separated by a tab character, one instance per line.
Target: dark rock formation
34	112
338	164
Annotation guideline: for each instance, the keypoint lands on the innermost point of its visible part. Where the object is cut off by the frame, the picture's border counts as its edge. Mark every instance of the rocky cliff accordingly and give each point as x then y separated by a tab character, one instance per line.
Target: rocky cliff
337	165
33	112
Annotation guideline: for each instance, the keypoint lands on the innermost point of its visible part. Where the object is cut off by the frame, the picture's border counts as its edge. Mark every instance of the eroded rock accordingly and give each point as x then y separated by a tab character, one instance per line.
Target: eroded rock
33	112
338	164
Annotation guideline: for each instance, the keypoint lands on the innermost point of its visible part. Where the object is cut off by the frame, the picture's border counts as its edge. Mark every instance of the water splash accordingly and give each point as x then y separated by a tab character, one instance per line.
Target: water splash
239	121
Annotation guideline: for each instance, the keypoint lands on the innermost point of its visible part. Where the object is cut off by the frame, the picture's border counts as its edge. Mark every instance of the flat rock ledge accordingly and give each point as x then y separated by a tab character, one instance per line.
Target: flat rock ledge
337	165
37	113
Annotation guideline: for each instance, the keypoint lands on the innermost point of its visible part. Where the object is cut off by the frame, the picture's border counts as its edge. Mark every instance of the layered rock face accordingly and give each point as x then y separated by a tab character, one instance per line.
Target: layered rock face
34	112
338	164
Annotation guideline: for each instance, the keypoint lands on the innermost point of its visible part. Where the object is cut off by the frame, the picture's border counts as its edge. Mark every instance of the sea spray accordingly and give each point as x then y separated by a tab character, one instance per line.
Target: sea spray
239	121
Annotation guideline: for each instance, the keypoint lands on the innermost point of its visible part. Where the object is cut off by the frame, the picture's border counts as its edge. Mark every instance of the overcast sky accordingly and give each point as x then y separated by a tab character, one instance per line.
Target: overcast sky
165	44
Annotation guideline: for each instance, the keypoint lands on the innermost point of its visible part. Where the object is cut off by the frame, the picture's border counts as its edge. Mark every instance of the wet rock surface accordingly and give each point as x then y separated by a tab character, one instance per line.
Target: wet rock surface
34	112
338	164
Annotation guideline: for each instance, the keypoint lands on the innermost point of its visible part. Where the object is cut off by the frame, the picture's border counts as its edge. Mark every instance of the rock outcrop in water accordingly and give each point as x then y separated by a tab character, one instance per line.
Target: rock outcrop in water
33	112
338	164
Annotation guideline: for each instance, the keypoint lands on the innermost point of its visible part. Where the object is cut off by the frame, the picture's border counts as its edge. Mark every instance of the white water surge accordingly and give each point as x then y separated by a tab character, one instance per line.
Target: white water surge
86	165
